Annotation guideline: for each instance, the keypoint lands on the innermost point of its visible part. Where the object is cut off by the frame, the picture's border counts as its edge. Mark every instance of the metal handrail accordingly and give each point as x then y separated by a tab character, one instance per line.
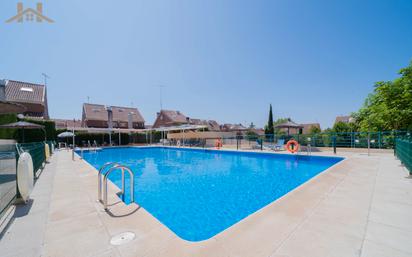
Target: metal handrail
123	168
99	178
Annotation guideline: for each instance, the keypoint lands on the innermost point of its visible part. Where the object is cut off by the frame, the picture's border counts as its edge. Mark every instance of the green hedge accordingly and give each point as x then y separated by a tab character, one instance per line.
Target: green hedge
82	138
7	133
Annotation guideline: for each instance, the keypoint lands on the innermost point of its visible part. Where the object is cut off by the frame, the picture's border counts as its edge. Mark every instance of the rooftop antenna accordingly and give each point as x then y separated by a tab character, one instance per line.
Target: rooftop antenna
88	99
45	78
160	95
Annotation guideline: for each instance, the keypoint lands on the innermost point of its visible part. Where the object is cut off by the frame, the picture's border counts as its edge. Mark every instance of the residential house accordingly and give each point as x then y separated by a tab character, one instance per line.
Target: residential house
67	124
344	119
232	127
307	127
32	96
168	118
212	125
97	116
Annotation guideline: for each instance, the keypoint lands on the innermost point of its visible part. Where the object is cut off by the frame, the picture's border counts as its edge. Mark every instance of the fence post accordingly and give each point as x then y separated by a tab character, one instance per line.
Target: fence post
379	139
351	140
394	147
334	144
369	143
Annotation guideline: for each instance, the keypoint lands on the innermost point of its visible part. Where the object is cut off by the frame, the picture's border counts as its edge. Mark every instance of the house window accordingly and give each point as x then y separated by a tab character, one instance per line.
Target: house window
26	89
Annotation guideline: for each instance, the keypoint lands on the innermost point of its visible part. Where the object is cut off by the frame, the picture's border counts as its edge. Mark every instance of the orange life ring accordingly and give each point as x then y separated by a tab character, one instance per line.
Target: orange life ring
218	143
292	146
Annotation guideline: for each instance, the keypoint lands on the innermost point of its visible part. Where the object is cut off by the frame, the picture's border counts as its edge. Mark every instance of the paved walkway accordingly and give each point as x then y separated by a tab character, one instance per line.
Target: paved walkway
24	234
360	207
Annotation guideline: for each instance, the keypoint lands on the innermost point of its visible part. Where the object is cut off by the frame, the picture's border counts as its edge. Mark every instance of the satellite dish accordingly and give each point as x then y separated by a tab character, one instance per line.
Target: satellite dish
25	175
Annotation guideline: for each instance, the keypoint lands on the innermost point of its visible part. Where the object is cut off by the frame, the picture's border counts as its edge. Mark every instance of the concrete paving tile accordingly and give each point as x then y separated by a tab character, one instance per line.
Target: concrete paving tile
151	244
69	208
372	249
181	248
389	236
85	243
59	229
393	214
393	196
108	253
320	241
259	235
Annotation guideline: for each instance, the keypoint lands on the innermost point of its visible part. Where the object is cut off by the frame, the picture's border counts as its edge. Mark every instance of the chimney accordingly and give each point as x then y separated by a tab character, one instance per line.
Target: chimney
39	8
2	90
109	117
130	120
20	12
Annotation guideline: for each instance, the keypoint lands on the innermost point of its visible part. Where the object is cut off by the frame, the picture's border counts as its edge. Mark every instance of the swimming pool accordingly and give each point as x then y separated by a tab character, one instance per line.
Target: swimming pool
199	193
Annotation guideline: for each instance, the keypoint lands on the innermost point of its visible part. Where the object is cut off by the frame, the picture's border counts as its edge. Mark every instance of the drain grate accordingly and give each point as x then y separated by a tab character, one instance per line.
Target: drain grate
122	238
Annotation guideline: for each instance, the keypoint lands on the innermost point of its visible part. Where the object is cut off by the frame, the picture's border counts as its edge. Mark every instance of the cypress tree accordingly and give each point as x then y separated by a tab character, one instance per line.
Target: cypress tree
269	127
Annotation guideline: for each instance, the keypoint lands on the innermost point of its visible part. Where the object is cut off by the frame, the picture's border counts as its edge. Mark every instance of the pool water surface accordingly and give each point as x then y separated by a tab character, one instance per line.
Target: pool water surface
199	193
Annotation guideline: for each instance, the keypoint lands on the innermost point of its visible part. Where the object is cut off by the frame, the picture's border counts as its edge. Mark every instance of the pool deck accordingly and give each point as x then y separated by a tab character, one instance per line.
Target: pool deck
359	207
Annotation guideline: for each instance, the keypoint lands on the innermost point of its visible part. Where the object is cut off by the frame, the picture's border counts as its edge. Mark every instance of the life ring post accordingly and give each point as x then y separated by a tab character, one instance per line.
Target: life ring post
292	146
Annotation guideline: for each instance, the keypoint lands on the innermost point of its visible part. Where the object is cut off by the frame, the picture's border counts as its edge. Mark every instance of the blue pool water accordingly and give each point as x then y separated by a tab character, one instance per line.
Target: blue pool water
199	193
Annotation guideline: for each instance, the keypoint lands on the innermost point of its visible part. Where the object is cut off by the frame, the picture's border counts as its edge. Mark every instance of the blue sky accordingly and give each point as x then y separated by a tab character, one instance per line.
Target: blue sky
223	60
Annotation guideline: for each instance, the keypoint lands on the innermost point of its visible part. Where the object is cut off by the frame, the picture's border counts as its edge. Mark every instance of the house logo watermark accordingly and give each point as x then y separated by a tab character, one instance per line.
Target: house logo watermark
29	14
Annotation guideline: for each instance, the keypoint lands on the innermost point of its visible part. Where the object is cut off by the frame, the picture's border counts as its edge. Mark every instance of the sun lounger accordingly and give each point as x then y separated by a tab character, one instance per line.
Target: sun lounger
279	145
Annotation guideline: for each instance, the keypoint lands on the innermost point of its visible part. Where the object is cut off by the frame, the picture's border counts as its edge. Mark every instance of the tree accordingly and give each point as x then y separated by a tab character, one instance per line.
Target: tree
340	127
269	130
389	107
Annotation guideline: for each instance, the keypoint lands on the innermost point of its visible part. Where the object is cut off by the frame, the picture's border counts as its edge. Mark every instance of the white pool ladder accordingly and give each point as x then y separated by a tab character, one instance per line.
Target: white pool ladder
102	194
309	149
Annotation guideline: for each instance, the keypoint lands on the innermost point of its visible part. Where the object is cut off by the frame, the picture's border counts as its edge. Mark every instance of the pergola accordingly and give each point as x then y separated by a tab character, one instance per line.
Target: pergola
181	128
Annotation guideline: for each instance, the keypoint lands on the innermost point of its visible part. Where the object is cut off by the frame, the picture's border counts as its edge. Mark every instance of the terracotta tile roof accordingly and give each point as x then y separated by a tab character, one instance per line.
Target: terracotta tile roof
63	123
24	92
233	127
211	124
174	116
307	126
342	119
99	112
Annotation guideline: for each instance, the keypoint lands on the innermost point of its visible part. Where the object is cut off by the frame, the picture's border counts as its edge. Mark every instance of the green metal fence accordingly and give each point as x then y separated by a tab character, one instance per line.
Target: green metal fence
379	140
9	155
8	177
247	141
403	150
